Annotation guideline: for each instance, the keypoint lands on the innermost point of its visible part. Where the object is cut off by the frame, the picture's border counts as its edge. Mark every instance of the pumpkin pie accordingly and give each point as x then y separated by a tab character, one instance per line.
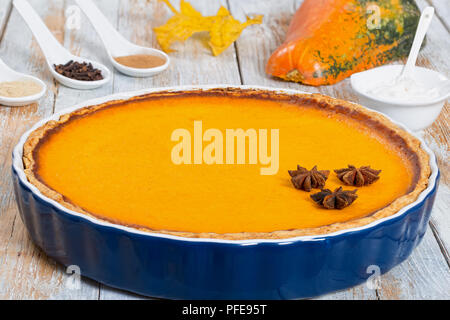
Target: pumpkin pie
113	162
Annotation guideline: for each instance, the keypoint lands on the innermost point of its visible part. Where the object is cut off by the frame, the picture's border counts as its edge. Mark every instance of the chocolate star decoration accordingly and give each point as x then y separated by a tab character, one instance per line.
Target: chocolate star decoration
339	199
353	176
306	180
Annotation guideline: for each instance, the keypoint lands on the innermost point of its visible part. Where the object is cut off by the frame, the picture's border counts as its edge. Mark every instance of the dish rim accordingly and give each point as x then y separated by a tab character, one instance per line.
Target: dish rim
18	168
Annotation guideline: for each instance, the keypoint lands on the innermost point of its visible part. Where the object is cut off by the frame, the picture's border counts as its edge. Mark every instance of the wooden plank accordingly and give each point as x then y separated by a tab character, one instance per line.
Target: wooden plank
440	223
442	11
361	292
423	276
26	273
254	49
435	56
256	44
5	10
107	293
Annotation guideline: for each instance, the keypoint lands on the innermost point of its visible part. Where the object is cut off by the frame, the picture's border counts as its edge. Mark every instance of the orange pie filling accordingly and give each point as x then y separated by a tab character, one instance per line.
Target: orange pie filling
115	163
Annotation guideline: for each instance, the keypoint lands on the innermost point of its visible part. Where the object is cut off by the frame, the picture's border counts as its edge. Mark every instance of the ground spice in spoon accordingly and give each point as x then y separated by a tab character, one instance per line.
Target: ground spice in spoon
19	89
141	61
79	71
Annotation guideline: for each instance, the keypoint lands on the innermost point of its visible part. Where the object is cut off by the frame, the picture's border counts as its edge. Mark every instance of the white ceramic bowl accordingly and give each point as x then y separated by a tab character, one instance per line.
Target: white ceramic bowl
415	115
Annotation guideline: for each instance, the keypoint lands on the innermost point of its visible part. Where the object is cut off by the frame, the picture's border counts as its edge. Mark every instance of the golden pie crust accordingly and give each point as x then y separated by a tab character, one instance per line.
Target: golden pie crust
372	120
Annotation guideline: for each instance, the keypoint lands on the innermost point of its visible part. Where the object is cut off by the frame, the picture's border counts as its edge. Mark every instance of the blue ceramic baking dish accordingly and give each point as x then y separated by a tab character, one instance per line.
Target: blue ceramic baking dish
172	267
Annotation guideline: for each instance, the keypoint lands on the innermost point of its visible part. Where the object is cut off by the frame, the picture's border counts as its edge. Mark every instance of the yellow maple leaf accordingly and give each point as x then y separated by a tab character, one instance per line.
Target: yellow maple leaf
223	28
226	30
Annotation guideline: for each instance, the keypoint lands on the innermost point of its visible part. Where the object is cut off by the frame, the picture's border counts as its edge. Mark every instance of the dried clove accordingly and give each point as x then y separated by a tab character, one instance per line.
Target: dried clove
79	71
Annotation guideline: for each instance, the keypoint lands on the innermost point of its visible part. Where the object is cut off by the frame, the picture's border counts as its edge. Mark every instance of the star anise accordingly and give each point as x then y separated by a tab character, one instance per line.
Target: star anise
339	199
353	176
306	180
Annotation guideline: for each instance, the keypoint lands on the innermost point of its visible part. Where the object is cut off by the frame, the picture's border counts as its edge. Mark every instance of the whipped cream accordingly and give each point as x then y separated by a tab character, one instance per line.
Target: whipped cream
405	89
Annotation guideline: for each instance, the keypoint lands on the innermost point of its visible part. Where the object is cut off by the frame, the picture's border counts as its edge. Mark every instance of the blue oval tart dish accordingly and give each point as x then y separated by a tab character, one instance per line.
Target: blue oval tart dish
175	267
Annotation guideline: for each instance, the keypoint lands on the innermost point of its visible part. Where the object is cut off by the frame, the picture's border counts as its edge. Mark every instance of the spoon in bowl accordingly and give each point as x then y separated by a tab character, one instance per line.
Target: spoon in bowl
117	46
55	53
9	75
422	29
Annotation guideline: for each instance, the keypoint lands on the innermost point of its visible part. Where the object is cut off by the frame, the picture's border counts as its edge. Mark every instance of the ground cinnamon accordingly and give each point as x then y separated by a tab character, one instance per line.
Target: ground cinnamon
141	61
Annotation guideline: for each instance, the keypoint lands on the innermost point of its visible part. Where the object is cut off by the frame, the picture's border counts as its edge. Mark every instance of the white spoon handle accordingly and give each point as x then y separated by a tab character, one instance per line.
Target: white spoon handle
52	49
422	28
6	72
113	40
4	67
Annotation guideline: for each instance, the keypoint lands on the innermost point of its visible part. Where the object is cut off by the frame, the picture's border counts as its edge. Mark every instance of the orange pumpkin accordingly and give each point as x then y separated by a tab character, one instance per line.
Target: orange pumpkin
329	40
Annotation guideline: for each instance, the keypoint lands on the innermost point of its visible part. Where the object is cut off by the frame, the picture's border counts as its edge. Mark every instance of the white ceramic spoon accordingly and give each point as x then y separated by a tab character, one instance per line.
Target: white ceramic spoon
9	75
422	29
117	45
55	53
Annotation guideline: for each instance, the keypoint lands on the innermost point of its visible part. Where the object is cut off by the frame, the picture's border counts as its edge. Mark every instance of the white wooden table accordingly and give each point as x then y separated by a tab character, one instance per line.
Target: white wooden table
25	271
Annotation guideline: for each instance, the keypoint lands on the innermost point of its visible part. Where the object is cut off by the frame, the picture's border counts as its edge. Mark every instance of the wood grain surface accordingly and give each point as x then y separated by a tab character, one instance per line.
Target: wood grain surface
25	271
